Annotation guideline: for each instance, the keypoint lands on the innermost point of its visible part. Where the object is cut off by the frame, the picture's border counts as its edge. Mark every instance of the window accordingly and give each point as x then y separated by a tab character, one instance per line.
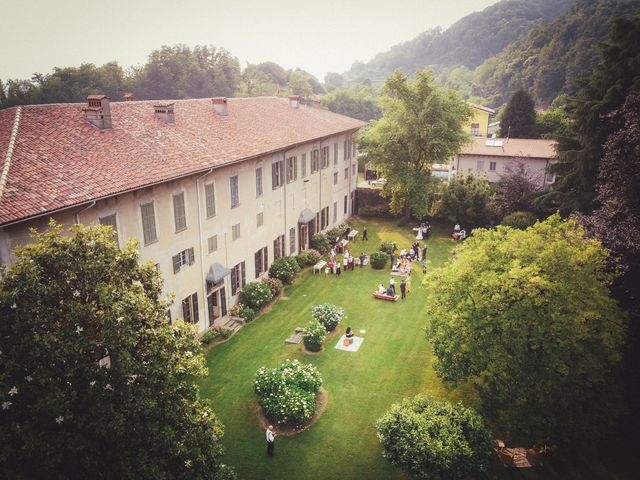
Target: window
258	182
235	231
475	129
292	169
190	308
335	212
353	169
278	247
314	161
110	220
345	204
210	200
344	151
549	178
212	243
303	165
260	219
349	148
480	166
325	157
335	153
324	218
261	261
238	278
346	173
354	149
335	178
235	194
277	174
179	214
183	259
148	223
492	166
292	241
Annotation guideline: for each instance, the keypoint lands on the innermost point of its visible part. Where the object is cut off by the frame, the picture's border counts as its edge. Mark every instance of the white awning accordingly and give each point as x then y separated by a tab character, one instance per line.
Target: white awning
306	216
217	273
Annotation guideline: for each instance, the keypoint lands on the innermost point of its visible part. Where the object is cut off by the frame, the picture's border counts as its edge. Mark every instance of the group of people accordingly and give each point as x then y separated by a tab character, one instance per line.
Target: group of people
459	234
423	231
336	266
405	287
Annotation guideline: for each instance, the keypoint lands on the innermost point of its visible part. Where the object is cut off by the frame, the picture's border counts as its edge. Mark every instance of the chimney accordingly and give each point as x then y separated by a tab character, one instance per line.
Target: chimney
98	111
220	106
164	112
128	97
294	101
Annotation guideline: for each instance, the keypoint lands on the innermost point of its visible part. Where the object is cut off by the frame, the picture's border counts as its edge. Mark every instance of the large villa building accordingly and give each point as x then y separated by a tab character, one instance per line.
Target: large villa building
214	189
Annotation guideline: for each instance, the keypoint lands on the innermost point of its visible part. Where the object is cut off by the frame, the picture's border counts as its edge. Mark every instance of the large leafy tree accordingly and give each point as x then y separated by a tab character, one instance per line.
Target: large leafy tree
356	102
526	315
465	199
94	382
593	118
422	124
519	116
434	439
515	190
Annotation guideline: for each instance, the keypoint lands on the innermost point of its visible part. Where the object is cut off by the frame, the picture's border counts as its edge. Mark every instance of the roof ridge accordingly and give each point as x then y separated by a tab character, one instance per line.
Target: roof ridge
12	142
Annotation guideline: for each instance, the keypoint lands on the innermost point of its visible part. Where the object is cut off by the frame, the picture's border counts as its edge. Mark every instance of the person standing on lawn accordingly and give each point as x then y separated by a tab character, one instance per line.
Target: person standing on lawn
271	437
392	285
364	234
403	288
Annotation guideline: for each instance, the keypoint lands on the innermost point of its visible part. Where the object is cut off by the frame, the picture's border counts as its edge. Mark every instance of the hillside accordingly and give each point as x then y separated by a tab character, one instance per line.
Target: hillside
553	57
468	42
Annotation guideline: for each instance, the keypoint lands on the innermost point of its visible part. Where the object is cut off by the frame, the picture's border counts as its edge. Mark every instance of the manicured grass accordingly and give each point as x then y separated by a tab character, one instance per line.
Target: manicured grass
393	362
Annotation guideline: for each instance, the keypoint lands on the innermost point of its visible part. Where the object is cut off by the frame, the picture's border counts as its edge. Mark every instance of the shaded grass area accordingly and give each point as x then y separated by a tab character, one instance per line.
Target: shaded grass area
395	361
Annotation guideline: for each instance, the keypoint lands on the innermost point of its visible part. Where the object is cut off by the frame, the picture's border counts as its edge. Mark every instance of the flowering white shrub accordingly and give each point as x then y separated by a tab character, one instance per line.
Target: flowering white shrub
284	269
287	393
328	315
256	295
314	335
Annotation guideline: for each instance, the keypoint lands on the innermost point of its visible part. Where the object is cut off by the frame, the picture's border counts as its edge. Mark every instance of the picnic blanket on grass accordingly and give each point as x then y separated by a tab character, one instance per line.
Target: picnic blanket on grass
357	341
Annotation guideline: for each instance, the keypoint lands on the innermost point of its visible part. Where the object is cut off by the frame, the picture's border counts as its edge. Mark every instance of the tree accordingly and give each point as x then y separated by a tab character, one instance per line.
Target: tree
277	74
593	119
360	103
94	382
519	117
434	439
526	316
465	199
256	83
515	190
422	124
299	85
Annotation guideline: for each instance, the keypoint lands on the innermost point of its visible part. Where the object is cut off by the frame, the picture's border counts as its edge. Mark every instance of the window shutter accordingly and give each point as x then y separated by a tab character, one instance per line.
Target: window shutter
179	214
257	258
234	286
244	275
176	263
209	192
186	316
195	308
265	259
191	256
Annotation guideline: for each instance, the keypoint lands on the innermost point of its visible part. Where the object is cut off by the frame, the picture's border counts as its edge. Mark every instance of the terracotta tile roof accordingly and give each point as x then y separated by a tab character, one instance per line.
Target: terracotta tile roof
60	160
512	147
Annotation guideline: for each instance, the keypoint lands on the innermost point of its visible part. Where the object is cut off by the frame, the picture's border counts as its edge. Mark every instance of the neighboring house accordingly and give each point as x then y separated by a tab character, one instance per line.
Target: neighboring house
494	128
213	189
494	157
479	122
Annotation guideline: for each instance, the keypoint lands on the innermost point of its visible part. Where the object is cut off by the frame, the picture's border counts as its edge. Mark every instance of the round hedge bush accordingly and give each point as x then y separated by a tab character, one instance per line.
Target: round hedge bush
308	257
327	315
313	336
287	393
256	295
519	220
284	269
388	247
378	260
434	439
320	242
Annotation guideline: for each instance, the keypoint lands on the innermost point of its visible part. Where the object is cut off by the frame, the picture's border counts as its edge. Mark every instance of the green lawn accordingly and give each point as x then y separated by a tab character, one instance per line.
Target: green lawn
393	362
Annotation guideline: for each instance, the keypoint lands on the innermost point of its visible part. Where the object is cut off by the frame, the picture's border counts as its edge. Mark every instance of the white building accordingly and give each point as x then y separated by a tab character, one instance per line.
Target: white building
213	189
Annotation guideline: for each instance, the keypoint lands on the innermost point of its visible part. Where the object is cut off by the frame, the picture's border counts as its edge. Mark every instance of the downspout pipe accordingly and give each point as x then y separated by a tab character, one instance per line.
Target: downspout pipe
84	209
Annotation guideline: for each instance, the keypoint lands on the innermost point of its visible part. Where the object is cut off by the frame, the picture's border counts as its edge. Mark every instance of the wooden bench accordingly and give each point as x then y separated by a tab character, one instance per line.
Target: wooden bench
384	296
352	235
317	268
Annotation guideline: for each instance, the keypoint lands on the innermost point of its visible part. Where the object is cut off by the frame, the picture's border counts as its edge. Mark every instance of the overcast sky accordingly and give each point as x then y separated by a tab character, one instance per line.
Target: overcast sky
318	36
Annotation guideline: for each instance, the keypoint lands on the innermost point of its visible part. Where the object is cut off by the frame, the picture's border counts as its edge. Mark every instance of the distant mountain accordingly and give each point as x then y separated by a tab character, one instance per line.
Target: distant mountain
468	42
554	56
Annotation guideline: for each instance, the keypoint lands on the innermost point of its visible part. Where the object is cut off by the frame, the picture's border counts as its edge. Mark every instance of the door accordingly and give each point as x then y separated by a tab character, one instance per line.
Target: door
303	236
213	305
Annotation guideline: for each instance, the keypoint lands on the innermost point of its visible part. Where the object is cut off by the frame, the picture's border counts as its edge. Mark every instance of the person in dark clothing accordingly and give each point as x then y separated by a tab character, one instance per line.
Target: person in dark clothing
403	288
390	292
364	233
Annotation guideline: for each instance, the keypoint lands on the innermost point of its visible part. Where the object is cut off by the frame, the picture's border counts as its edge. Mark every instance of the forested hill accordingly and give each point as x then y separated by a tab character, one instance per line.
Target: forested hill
553	57
468	42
